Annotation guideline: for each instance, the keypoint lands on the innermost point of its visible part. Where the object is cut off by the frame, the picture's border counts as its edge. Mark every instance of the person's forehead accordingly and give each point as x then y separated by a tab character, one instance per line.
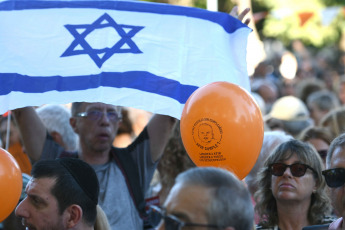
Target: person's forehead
338	158
313	106
292	159
188	201
98	105
318	143
40	186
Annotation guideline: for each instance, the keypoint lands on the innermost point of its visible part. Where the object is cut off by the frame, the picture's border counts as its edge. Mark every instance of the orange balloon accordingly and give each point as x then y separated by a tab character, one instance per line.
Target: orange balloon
222	126
10	184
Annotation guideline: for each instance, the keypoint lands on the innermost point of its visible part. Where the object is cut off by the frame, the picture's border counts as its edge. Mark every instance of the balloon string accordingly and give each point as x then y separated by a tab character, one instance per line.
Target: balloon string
8	131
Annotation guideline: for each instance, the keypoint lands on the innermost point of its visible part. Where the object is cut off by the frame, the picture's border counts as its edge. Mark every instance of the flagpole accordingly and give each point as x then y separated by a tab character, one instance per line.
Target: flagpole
212	5
7	144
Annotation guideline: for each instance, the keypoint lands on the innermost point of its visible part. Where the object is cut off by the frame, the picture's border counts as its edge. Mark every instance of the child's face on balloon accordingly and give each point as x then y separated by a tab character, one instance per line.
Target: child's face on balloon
205	133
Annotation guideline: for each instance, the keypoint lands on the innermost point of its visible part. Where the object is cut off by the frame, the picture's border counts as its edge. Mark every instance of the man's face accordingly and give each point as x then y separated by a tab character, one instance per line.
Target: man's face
96	135
188	203
39	210
338	194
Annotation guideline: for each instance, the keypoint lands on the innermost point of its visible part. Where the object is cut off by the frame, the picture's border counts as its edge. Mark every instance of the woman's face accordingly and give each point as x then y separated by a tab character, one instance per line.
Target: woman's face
290	188
321	147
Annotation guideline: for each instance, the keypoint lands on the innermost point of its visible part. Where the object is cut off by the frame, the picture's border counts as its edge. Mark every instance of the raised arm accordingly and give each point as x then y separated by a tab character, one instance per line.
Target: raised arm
32	130
159	129
241	16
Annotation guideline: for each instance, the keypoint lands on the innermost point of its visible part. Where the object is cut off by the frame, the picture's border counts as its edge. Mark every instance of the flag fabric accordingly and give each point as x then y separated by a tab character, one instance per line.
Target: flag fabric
144	55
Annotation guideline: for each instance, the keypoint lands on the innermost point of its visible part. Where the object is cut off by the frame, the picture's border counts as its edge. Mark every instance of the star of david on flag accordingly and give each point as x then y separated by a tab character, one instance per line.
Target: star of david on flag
99	56
144	55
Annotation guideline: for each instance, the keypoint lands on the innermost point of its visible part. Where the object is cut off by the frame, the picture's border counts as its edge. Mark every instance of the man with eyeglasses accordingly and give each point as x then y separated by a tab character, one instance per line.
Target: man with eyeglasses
335	179
206	198
96	125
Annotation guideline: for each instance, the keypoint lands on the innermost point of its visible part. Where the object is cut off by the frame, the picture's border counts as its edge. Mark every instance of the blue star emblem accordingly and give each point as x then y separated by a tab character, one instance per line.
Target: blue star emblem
99	56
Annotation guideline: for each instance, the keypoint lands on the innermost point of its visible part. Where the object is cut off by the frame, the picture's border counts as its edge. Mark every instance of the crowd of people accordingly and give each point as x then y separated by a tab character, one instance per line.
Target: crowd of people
79	174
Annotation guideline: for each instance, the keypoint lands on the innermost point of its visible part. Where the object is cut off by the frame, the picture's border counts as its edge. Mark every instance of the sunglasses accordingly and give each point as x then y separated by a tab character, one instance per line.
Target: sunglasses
172	222
334	177
297	169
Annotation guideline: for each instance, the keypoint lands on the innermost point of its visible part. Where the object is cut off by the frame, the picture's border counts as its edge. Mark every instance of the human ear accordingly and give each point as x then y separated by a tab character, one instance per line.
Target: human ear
74	215
73	123
57	138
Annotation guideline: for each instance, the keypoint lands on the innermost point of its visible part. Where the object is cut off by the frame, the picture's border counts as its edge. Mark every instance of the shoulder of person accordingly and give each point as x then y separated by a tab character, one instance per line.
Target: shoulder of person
324	225
263	226
329	219
317	227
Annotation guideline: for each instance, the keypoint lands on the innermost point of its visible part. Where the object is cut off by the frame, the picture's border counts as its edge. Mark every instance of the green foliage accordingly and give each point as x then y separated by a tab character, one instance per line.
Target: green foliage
334	2
200	4
283	22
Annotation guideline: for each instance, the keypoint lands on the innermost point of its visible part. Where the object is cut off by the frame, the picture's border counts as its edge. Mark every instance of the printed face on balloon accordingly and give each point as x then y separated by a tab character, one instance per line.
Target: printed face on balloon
207	134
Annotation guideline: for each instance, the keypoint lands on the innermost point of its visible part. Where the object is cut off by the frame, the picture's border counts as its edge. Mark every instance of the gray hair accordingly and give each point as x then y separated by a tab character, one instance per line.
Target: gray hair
230	204
296	127
56	119
324	100
334	121
271	140
337	142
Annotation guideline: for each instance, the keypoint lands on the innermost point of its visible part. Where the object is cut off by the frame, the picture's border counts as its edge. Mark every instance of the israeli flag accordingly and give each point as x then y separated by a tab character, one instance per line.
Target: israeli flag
144	55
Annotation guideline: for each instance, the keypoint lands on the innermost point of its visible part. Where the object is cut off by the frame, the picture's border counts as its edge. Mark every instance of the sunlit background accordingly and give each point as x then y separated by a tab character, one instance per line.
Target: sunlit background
287	33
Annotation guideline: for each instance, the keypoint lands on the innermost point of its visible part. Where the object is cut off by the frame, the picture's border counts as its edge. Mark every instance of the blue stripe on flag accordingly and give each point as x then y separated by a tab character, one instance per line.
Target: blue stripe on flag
229	23
140	80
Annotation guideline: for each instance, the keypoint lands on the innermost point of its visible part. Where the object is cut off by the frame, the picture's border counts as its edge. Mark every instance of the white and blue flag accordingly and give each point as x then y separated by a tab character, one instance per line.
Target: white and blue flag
144	55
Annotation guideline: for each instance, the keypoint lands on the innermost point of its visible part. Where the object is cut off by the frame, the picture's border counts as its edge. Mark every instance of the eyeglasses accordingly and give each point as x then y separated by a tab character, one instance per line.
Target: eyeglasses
96	115
172	222
297	169
334	177
322	153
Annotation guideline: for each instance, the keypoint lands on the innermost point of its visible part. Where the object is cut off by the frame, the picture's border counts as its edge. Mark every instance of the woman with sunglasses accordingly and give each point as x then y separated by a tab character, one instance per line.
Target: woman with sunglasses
291	191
